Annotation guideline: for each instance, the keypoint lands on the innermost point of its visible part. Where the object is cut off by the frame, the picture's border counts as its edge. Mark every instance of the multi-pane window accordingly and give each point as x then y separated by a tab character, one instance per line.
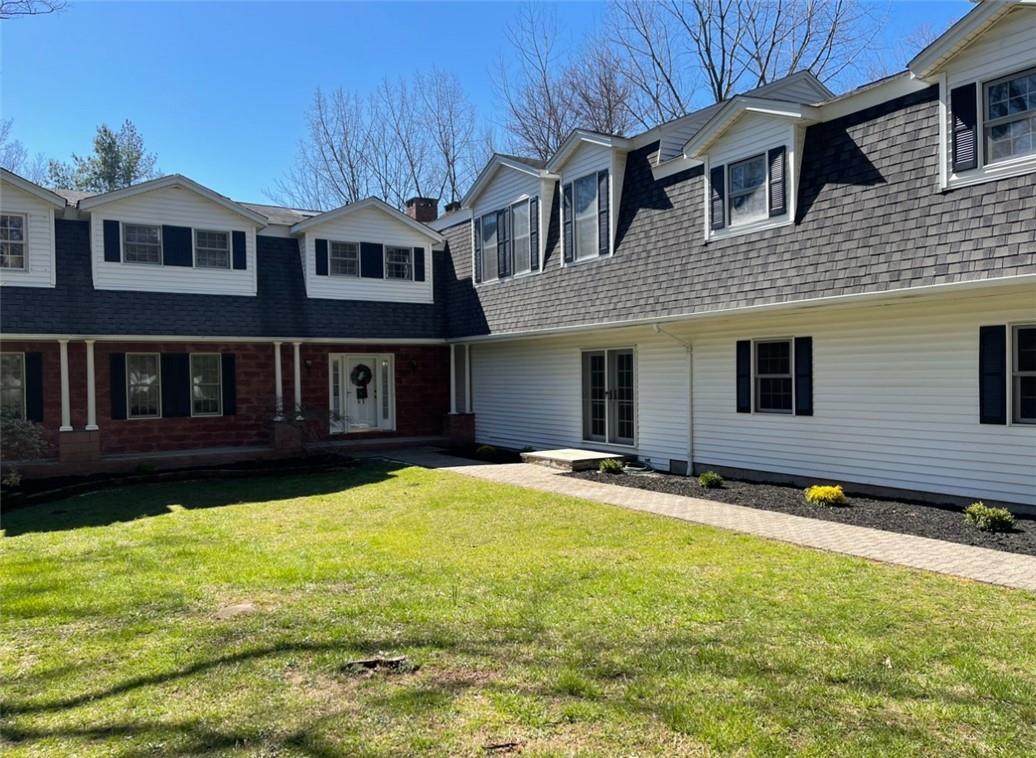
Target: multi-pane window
143	385
520	236
12	384
141	243
206	391
586	217
489	247
344	258
12	241
1024	374
773	378
399	263
747	194
609	389
211	249
1010	123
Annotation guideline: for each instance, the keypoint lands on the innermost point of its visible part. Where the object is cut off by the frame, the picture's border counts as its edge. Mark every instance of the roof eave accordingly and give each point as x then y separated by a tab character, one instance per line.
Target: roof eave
33	189
370	202
488	172
578	137
929	61
698	145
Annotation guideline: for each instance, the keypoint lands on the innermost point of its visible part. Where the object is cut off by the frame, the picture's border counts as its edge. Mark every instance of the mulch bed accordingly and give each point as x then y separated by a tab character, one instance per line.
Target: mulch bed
938	522
488	454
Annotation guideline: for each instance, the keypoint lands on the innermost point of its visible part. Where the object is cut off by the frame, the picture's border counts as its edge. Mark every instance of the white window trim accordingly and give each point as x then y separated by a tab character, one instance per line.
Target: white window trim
527	199
1013	417
230	249
359	259
756	376
129	414
385	262
983	173
122	247
190	362
769	222
25	409
636	398
25	243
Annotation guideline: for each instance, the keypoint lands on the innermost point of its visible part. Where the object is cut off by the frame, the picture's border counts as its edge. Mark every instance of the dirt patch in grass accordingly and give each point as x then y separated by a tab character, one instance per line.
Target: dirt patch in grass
938	522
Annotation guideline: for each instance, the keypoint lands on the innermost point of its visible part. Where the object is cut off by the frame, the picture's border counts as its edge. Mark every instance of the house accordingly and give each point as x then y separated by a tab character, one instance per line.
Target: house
788	285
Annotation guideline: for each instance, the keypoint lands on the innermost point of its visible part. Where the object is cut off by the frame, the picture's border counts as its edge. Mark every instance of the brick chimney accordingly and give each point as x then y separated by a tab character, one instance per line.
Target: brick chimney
454	206
423	209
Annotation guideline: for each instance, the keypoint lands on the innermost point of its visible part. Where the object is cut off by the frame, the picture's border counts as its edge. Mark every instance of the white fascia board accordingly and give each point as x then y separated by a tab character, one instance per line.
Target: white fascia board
173	180
674	166
929	61
580	136
44	194
489	171
370	202
699	144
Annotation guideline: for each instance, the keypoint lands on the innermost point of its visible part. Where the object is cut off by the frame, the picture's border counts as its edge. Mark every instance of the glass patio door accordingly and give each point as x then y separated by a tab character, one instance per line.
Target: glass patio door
609	396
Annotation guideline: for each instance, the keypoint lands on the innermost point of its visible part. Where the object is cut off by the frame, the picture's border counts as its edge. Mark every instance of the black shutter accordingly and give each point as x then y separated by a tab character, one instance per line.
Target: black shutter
803	376
478	250
418	264
603	215
34	387
503	243
566	212
372	260
117	378
992	374
177	246
744	376
321	248
778	204
112	243
240	257
176	385
229	386
718	194
534	234
963	110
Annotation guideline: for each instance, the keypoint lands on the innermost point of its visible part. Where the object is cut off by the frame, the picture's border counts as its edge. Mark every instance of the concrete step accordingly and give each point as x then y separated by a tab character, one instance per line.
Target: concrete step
570	459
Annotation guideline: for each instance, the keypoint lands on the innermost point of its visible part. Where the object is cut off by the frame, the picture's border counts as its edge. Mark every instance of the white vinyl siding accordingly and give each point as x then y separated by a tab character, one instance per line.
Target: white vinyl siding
172	206
38	264
368	225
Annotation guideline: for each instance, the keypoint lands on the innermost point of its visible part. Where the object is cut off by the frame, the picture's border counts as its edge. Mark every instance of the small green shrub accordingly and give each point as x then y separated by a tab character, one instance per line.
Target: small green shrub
610	466
826	494
485	451
710	480
988	519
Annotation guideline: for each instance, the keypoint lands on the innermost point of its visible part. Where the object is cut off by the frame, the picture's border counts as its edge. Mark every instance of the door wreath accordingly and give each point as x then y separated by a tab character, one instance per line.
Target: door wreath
361	376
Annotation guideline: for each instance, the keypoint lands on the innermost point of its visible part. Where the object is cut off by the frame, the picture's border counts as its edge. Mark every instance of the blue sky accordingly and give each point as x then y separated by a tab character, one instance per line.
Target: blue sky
220	90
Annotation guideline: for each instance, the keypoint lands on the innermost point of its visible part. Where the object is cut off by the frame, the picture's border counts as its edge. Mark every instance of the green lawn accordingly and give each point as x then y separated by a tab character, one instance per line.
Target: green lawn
566	626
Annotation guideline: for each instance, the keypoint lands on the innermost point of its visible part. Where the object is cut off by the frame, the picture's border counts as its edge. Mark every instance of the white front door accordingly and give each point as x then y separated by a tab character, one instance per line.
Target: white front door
361	392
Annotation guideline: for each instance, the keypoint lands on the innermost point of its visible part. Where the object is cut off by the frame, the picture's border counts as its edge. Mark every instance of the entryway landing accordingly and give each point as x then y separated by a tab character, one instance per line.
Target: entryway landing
570	458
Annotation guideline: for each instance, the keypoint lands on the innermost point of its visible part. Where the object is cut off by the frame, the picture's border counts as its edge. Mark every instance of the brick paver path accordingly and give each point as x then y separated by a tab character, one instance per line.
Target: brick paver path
982	564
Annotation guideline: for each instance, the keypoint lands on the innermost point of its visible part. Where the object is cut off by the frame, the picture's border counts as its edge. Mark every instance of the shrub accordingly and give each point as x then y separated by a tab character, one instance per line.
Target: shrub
988	519
20	440
710	480
485	451
610	466
826	494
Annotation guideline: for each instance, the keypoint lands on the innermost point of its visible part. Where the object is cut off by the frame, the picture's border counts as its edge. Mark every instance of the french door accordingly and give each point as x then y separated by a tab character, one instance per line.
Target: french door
362	392
609	396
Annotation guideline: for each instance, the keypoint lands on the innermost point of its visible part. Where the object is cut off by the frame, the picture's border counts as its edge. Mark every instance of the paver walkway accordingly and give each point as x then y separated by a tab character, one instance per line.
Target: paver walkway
981	564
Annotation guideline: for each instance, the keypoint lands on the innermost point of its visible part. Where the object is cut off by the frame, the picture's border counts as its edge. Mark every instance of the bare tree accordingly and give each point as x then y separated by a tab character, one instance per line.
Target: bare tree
20	8
452	121
601	93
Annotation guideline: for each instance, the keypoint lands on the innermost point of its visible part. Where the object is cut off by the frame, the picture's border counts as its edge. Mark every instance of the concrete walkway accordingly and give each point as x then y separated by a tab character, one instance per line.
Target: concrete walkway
981	564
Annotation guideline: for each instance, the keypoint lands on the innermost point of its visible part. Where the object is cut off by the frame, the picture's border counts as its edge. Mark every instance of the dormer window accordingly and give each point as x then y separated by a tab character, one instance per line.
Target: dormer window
344	258
746	194
142	243
747	199
522	233
1010	128
211	249
586	217
399	263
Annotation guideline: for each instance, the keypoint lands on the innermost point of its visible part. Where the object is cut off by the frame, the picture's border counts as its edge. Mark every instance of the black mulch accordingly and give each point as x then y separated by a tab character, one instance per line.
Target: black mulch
485	453
937	522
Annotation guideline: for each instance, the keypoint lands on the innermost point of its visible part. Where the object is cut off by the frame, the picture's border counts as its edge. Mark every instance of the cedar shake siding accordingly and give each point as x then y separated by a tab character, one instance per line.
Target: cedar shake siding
870	219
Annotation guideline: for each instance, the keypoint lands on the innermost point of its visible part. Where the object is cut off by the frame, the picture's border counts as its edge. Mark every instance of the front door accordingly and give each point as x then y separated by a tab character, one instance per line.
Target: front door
361	392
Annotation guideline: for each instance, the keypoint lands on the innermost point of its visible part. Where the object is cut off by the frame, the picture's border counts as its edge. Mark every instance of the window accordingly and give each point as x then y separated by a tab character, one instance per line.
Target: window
344	259
399	263
211	249
489	247
141	244
773	379
206	389
747	196
12	241
586	217
1024	374
608	396
1010	117
520	236
12	384
143	385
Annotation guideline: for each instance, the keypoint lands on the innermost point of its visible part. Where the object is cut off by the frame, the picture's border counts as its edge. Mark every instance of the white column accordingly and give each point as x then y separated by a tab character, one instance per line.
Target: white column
278	414
453	378
297	380
467	379
91	389
66	406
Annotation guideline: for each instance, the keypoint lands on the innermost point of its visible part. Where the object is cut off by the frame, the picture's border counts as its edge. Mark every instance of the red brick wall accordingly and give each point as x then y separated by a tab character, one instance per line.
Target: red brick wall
422	393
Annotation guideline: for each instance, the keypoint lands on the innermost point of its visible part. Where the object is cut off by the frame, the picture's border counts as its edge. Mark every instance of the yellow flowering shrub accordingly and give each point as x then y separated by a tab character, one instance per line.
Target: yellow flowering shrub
826	494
